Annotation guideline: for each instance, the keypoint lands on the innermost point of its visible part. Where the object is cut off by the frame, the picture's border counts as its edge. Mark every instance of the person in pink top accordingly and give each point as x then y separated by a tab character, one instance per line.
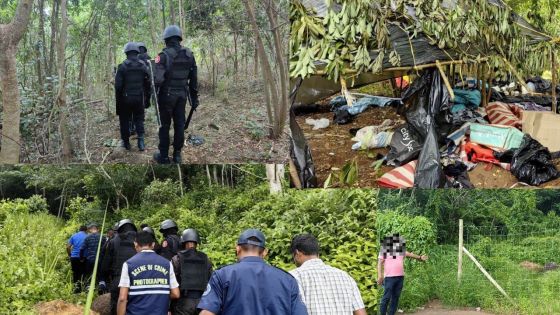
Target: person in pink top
390	271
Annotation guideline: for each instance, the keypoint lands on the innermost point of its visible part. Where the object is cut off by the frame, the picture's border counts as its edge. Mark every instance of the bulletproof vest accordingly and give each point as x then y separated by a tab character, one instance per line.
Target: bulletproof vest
194	270
123	247
173	242
134	75
178	66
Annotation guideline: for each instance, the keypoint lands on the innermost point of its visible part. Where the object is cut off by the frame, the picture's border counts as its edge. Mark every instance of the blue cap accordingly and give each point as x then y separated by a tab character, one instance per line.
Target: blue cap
244	238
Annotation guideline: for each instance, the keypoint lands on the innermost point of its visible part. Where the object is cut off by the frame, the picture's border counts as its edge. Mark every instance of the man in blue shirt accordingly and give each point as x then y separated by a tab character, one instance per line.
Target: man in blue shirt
78	266
251	286
147	281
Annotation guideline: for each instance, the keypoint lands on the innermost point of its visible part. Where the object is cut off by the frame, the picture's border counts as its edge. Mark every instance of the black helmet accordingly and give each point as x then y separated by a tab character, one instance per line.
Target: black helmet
131	46
149	230
141	45
190	235
167	224
172	30
124	222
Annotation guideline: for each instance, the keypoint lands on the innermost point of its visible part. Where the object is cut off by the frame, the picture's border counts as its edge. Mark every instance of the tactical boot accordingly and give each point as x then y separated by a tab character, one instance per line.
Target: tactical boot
177	159
126	144
141	145
160	159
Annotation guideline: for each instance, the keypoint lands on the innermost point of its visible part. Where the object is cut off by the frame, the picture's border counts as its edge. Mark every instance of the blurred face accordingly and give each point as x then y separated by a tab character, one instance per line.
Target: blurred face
190	245
298	258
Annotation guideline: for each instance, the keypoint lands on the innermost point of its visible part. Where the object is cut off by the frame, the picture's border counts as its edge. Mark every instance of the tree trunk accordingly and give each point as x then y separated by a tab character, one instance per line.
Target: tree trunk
10	35
270	92
152	27
171	12
181	16
163	14
275	173
54	18
61	97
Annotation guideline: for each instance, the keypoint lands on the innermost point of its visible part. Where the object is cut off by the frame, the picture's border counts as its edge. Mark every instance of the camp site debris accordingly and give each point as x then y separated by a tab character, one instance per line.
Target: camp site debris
462	76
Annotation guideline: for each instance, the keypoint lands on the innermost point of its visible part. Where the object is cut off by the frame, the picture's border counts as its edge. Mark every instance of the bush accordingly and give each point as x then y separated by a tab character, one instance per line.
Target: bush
160	192
32	258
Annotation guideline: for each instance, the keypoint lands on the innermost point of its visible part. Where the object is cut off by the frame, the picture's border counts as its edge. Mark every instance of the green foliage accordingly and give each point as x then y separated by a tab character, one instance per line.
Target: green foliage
344	37
32	257
159	192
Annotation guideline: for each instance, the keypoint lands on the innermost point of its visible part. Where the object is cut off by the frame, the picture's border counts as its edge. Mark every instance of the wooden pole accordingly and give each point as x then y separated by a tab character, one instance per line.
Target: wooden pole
445	80
554	81
483	83
488	275
460	255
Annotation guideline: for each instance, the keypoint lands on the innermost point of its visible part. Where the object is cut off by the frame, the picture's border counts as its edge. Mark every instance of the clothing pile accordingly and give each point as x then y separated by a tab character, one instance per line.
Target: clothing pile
443	139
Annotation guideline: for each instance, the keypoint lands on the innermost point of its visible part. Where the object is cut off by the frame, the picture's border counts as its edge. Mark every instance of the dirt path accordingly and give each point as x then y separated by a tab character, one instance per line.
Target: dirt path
331	148
436	308
233	128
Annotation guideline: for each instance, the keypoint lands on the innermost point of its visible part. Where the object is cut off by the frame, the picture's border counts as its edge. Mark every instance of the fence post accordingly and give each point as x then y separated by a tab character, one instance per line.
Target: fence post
460	255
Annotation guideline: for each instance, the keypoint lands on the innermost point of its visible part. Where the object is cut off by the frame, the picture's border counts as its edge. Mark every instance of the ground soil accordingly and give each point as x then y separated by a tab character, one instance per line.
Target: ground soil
59	307
331	148
232	123
436	308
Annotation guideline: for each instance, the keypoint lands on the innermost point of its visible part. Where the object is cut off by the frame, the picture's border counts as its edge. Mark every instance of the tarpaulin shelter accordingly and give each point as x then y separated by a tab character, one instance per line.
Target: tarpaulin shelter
415	53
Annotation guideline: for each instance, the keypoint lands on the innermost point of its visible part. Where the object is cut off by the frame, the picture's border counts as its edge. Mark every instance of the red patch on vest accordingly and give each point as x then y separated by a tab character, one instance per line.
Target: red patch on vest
157	59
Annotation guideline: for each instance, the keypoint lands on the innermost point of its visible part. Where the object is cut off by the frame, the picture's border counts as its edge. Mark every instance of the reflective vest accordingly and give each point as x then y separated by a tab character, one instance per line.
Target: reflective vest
150	282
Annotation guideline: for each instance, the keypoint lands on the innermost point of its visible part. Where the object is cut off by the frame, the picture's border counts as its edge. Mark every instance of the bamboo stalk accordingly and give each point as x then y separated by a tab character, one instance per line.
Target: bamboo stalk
554	81
445	80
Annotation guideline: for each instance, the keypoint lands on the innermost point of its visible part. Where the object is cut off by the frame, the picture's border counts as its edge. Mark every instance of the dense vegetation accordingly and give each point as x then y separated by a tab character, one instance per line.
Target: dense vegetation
344	222
513	233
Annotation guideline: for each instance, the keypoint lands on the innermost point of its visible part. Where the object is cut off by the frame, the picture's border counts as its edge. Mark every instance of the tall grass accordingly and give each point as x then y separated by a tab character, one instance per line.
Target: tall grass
533	292
32	259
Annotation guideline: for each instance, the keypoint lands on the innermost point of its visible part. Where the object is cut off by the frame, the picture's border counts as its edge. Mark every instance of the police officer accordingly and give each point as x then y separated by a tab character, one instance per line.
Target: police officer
193	270
119	249
146	228
143	53
147	281
171	241
132	84
176	79
252	286
144	57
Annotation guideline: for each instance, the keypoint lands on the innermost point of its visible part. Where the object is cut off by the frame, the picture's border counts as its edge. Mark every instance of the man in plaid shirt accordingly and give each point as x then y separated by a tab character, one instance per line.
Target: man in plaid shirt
324	289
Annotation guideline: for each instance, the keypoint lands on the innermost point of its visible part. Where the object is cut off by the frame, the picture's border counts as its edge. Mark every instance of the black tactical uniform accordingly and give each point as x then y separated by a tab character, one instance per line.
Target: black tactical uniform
144	57
132	85
119	249
171	242
193	270
176	80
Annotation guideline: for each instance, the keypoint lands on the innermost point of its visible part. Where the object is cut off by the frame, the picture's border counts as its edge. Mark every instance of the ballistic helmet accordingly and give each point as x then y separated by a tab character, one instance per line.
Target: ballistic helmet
172	30
149	230
124	222
131	46
167	224
190	235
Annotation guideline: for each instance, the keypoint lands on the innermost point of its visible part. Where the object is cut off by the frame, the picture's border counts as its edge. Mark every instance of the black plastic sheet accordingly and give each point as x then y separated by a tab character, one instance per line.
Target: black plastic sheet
531	163
406	145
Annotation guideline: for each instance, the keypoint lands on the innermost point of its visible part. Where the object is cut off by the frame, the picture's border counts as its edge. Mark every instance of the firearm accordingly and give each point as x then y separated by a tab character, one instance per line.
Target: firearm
154	92
191	112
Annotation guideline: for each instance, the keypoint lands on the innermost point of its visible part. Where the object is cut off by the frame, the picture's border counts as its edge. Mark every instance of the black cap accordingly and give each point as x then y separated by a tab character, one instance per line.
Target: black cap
244	238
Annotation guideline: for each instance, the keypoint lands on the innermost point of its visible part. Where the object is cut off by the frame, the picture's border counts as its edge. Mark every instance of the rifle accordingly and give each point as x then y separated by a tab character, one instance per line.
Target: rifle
187	123
154	93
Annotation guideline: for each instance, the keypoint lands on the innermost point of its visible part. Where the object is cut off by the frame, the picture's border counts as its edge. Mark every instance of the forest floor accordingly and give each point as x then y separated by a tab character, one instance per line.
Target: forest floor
331	149
233	124
436	308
